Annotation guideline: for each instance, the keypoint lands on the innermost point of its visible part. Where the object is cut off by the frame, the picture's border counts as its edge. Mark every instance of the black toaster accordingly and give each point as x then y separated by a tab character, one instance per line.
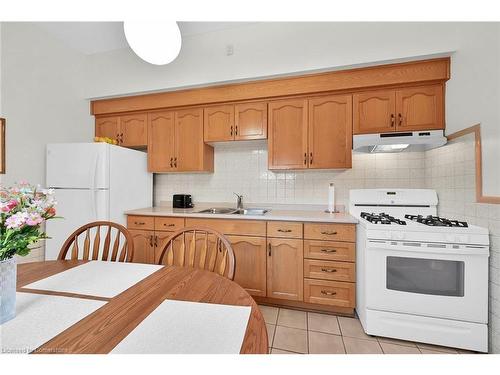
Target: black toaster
182	201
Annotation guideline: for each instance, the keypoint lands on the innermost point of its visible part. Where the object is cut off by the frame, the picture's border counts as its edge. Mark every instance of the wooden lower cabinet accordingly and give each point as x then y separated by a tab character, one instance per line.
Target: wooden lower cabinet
330	293
160	240
300	265
285	269
143	246
250	269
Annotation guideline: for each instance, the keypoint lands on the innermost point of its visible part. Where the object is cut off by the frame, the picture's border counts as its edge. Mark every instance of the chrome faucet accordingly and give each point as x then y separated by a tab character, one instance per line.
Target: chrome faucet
239	202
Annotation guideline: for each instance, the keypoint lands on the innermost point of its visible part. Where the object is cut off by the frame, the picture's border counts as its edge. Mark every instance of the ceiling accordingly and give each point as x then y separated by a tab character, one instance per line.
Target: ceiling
95	37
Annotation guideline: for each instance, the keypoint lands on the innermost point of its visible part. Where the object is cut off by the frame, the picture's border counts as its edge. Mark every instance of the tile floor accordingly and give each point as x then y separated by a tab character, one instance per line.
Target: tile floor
298	332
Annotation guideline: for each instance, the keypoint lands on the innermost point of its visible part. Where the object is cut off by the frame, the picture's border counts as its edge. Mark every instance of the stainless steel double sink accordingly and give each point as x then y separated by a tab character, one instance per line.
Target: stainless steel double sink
233	211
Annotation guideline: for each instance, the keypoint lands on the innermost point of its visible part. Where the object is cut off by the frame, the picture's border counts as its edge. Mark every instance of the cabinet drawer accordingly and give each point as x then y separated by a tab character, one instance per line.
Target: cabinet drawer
334	293
329	250
169	224
334	232
285	229
141	222
239	227
328	270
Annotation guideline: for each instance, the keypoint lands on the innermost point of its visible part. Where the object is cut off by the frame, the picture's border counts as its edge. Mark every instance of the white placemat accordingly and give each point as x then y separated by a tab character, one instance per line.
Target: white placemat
41	317
179	327
97	278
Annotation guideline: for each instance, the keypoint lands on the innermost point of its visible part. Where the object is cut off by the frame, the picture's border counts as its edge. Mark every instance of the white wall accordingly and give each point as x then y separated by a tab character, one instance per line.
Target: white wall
42	98
267	49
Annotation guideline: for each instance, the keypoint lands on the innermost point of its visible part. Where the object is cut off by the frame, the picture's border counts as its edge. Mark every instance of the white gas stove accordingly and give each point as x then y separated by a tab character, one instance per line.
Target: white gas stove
419	277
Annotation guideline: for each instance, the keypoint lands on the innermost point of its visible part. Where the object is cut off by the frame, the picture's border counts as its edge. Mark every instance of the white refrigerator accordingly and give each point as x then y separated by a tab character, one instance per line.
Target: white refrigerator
93	181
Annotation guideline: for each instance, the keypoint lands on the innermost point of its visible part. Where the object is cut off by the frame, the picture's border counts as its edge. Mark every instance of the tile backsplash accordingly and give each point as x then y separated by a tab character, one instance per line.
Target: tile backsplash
451	171
242	168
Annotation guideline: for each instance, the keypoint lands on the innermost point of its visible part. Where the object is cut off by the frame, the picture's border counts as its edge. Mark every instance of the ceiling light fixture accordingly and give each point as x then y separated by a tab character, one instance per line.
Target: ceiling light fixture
156	42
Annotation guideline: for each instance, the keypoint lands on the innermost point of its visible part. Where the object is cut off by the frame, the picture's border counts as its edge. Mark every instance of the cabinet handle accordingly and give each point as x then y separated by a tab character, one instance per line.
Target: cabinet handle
329	270
151	241
327	293
171	162
168	225
392	120
328	233
311	159
236	130
139	223
231	130
269	249
400	117
156	241
284	230
328	250
118	138
305	158
175	162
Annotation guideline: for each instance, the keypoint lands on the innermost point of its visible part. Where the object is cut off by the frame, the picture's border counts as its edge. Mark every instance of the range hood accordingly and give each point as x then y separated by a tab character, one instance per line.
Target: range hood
399	141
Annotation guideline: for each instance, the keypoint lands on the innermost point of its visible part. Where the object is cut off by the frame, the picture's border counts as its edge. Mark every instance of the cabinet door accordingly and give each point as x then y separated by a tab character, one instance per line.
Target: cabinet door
288	134
134	130
107	127
374	112
190	150
219	123
143	246
250	121
160	240
250	267
420	108
330	132
161	143
285	262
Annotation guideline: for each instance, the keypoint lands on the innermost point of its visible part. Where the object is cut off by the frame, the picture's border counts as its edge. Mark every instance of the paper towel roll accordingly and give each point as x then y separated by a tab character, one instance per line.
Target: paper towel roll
331	198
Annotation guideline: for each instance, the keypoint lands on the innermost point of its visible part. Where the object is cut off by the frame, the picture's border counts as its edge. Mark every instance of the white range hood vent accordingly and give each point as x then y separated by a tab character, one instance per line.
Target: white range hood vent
398	142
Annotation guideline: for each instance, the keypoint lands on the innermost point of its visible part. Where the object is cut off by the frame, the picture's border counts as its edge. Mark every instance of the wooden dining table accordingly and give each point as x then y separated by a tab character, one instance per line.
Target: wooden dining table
102	330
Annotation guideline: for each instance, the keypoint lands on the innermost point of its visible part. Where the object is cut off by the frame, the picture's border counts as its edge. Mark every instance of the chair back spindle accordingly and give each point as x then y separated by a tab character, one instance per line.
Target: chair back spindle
118	244
201	248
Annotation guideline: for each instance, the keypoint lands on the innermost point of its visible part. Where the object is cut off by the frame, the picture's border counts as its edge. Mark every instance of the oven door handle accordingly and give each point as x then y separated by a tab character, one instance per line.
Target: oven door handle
439	249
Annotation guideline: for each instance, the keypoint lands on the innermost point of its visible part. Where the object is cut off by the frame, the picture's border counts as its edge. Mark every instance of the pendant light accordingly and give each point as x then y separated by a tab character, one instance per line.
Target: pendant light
156	42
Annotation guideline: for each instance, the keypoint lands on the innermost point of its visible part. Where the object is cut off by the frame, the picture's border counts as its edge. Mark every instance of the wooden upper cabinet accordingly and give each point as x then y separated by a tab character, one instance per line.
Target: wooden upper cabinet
405	109
219	123
288	134
250	121
134	130
250	263
374	112
161	142
191	153
285	268
420	108
108	127
330	132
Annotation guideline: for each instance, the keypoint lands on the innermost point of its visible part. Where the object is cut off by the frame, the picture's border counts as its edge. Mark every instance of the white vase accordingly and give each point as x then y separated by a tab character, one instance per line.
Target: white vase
8	275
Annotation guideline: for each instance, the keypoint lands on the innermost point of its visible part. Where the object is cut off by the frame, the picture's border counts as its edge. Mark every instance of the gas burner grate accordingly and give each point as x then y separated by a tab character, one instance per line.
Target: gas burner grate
436	221
381	218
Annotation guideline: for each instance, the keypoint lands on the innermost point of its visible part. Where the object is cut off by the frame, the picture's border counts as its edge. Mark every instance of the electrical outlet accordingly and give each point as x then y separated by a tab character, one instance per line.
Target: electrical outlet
229	50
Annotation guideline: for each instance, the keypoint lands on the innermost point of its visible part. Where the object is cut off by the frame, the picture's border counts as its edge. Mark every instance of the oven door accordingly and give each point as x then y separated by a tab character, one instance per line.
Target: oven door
416	278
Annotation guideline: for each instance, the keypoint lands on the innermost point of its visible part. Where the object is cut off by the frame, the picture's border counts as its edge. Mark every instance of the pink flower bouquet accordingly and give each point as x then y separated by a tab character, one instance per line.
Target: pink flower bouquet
23	209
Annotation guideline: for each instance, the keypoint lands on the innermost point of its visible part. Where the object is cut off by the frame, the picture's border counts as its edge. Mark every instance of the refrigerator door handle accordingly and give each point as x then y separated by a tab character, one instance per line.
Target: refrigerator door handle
93	188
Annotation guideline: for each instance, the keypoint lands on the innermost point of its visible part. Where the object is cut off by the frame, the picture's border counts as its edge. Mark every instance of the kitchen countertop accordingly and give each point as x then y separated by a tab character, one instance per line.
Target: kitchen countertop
308	213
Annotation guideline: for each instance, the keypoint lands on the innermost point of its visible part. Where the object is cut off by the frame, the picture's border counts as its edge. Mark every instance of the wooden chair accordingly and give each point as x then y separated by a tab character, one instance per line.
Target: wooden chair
115	231
200	247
